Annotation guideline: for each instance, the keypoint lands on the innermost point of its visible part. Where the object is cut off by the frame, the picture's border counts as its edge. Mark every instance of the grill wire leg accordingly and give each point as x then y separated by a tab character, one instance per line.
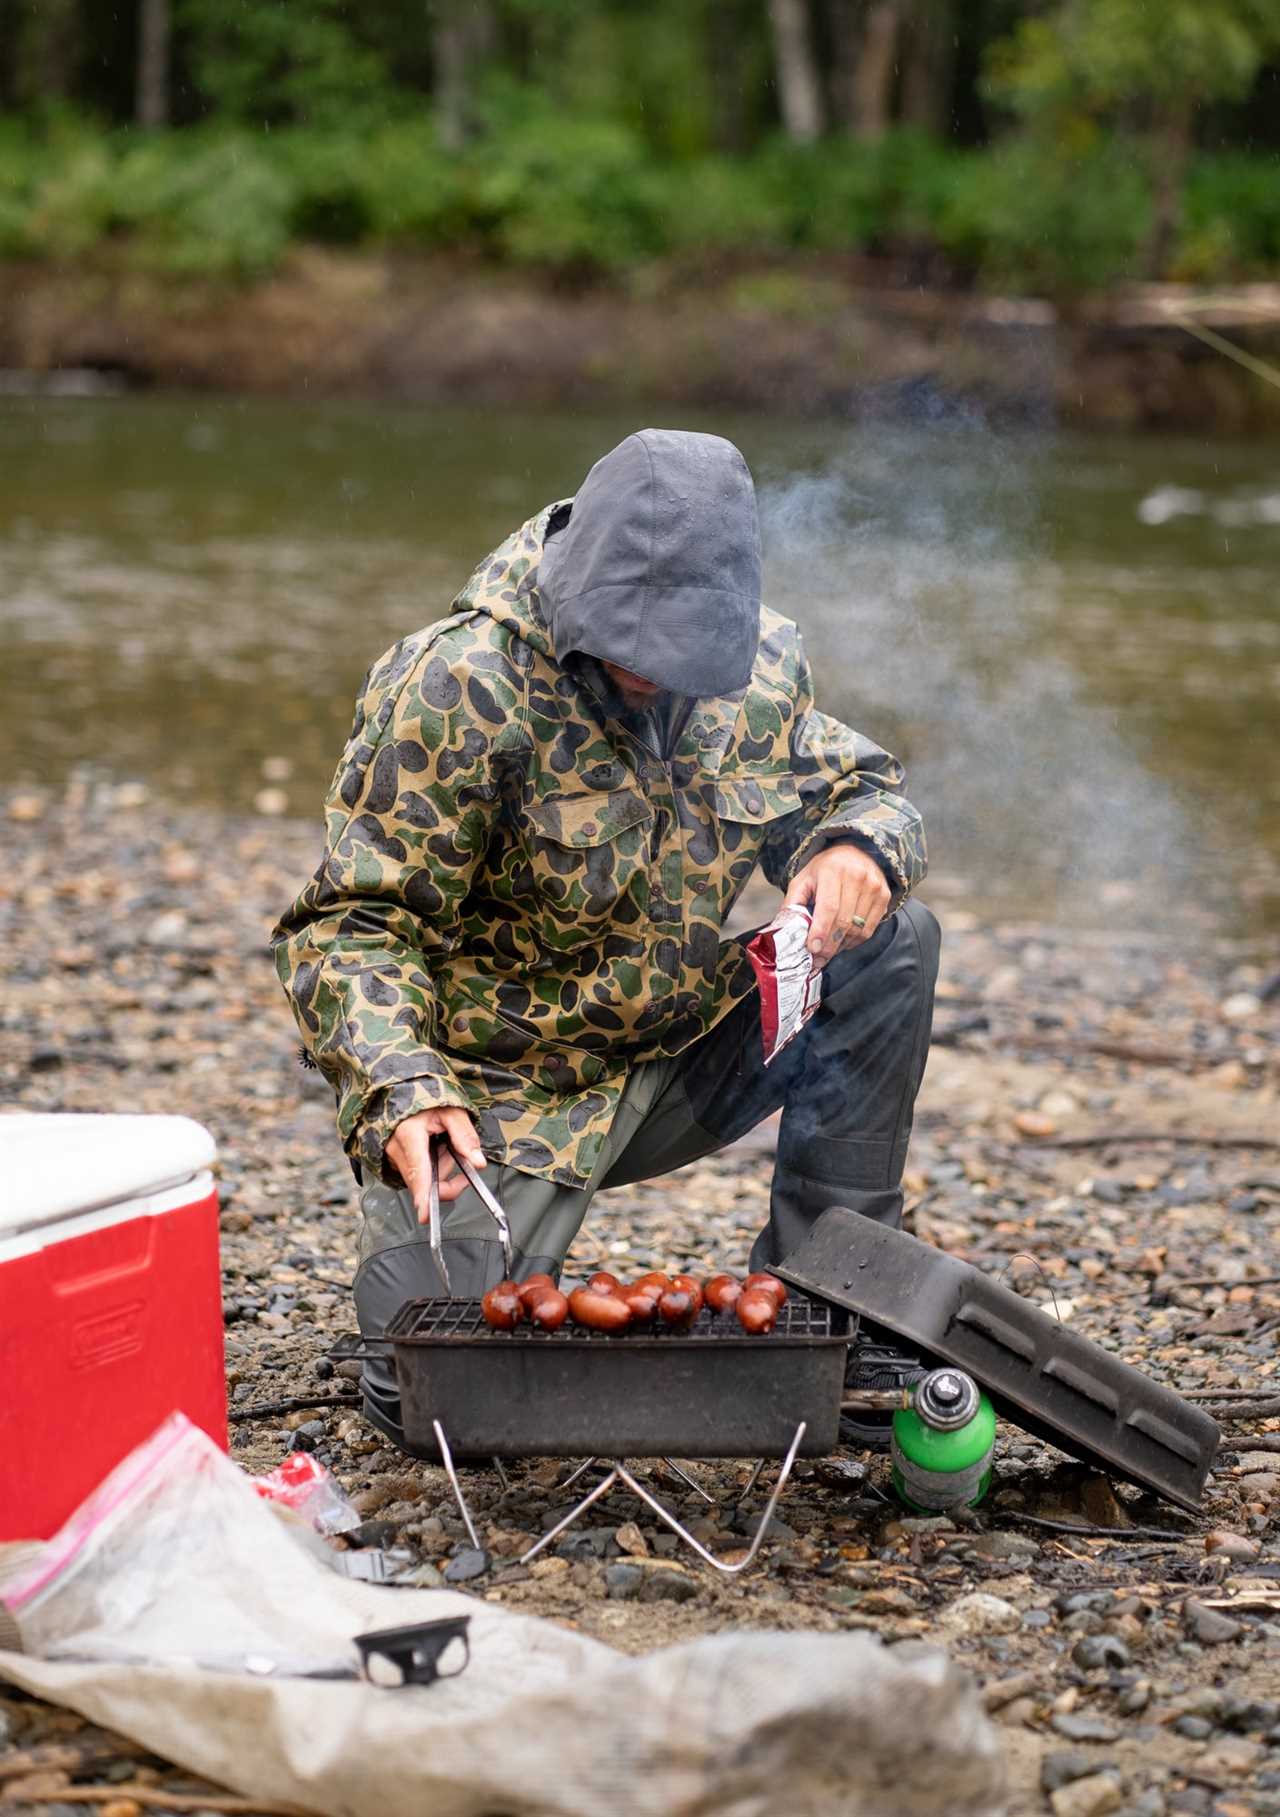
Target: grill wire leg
683	1533
602	1488
684	1476
754	1478
619	1473
458	1496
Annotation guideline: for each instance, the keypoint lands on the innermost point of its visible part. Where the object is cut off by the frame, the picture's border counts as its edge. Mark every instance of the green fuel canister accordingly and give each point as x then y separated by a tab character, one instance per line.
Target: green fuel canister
943	1443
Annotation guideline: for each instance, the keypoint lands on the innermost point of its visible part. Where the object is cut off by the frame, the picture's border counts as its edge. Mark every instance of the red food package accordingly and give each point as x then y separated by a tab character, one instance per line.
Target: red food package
790	988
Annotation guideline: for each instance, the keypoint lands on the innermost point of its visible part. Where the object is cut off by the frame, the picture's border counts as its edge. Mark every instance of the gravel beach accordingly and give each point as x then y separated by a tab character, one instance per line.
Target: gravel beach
1098	1123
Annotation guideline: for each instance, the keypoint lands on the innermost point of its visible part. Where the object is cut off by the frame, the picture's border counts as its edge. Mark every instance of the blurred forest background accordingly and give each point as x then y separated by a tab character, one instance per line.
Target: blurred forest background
1041	146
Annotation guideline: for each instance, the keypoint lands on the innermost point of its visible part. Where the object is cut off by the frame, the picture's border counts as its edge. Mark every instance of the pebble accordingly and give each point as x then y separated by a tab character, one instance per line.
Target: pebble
978	1613
1240	1006
471	1562
1093	1797
1135	1700
623	1582
1208	1626
548	1567
1247	1713
1034	1123
1100	1652
1084	1728
121	1807
1061	1767
1231	1755
1195	1728
631	1541
373	1533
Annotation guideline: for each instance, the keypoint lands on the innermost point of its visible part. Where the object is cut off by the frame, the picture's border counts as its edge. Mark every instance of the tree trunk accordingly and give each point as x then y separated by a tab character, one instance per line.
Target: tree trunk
874	72
799	91
929	59
725	30
151	106
1173	145
464	32
46	53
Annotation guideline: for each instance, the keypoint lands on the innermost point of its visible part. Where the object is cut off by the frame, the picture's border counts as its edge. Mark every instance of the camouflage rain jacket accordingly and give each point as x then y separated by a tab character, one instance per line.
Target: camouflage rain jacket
523	891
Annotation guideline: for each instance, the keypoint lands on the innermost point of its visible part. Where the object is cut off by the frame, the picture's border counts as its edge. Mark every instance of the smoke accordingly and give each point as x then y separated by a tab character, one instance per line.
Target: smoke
917	562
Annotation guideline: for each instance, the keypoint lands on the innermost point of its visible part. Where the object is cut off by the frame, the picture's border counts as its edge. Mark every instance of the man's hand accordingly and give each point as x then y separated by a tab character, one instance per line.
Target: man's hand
408	1150
841	886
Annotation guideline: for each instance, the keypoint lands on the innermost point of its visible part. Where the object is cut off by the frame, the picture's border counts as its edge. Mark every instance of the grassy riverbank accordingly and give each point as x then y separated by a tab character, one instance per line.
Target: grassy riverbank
817	335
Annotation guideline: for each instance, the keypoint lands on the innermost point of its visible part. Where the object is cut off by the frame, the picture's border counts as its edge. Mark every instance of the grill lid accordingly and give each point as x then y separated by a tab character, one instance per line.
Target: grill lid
1039	1373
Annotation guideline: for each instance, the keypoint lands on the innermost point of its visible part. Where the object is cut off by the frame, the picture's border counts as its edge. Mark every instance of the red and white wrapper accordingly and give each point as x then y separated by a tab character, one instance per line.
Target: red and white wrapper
790	988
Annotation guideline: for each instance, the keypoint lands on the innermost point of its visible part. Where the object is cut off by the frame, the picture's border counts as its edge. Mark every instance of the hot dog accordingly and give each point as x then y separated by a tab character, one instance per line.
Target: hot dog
501	1306
685	1283
532	1290
599	1311
642	1298
551	1311
678	1308
722	1292
757	1313
604	1282
766	1283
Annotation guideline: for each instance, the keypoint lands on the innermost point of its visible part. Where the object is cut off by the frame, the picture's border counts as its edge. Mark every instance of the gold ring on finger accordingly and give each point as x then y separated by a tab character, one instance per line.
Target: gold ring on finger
859	920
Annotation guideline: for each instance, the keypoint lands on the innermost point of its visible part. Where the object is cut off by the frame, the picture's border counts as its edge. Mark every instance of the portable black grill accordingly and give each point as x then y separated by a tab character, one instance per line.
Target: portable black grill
711	1391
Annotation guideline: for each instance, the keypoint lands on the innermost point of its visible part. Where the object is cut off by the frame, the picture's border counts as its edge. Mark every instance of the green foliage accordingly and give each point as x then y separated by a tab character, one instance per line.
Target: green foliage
572	193
1231	220
284	62
588	197
1104	54
1031	218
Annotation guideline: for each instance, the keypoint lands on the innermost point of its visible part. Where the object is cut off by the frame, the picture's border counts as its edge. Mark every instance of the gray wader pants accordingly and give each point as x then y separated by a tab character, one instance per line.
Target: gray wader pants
846	1085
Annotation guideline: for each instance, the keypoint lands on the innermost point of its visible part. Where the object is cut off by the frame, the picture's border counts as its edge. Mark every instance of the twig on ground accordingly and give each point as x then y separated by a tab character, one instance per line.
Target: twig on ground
294	1403
1242	1410
1082	1532
1211	1280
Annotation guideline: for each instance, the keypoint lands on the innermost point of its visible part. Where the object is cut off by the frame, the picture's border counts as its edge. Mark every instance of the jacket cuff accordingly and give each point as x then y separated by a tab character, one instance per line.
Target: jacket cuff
384	1109
872	840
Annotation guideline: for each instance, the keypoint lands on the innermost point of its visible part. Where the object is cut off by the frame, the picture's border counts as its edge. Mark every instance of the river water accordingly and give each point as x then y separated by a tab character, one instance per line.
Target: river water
1074	644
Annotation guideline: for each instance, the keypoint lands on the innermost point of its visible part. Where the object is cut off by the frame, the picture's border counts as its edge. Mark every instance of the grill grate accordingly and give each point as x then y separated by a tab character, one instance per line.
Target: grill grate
446	1320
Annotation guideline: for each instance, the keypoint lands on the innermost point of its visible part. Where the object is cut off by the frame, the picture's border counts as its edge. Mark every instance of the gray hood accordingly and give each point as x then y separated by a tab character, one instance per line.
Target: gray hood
658	567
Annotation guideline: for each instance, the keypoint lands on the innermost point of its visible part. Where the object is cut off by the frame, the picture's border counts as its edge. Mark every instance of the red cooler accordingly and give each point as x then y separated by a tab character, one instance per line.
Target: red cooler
110	1301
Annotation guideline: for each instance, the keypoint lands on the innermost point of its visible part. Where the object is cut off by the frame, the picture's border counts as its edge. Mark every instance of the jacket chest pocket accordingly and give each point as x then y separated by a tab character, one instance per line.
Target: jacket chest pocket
586	851
749	810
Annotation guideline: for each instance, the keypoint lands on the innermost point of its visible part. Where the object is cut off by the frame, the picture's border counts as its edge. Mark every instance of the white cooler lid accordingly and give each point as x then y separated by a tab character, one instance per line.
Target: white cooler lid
55	1166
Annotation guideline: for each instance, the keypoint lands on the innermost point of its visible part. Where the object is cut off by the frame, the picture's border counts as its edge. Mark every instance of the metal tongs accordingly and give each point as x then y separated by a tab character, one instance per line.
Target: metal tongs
488	1200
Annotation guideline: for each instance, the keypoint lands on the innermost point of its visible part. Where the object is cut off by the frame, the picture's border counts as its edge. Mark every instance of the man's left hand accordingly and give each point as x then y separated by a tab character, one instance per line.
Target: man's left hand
846	893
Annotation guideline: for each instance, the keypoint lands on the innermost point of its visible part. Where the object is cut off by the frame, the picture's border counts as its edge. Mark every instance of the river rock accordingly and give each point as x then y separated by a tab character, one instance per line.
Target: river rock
1099	1652
1064	1766
1092	1797
1080	1727
1232	1756
978	1614
1208	1626
1248	1713
1237	1546
622	1582
464	1566
631	1541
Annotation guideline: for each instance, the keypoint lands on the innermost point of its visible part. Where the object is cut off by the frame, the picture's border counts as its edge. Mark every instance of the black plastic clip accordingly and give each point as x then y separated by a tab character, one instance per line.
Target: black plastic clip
414	1652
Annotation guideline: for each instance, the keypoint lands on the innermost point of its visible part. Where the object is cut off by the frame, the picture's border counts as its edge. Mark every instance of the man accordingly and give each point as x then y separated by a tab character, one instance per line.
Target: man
547	806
